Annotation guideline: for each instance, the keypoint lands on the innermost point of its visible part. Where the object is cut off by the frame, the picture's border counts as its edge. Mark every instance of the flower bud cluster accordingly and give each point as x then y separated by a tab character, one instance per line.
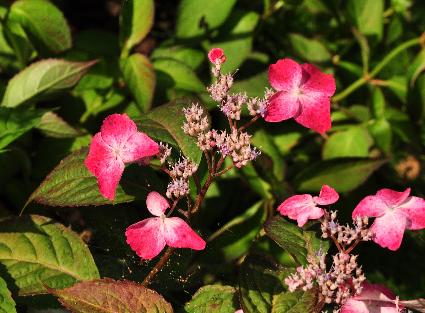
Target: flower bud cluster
237	145
345	235
232	106
196	121
180	173
341	282
177	188
164	152
258	105
220	89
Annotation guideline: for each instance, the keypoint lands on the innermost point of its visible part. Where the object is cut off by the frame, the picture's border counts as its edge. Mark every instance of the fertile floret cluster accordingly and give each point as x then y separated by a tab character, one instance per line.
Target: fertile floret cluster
237	145
346	235
342	281
196	121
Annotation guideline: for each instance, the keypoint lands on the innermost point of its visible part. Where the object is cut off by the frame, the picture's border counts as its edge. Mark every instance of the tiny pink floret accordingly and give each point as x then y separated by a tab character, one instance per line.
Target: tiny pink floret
302	92
117	143
372	299
216	56
149	236
304	207
394	212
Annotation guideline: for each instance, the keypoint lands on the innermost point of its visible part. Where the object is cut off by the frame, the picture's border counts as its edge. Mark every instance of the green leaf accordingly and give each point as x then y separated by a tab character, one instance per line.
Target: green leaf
37	253
259	281
194	16
416	68
378	103
262	291
43	78
367	16
21	46
237	41
140	78
164	123
7	304
296	302
213	299
382	134
53	125
136	21
237	236
298	243
254	86
16	122
71	184
44	24
343	174
173	74
353	142
189	56
108	295
309	49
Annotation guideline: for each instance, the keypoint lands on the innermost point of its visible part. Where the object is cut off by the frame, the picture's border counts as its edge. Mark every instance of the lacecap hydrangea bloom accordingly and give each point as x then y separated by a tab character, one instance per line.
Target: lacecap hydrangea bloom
149	236
304	207
394	212
302	92
118	142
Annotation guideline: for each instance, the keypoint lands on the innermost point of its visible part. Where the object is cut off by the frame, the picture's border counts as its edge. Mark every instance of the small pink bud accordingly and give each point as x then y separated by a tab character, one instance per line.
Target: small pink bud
216	56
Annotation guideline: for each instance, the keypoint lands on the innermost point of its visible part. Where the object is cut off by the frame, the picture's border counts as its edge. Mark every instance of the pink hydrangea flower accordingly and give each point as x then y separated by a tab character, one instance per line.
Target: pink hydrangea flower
216	56
149	236
117	143
372	299
303	93
305	207
394	211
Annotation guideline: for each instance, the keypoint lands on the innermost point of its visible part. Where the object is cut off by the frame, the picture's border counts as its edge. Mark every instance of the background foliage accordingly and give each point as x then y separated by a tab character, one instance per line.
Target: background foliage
65	65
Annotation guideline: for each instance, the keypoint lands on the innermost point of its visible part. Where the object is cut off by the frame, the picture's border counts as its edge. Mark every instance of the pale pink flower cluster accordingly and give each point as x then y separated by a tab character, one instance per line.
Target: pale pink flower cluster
164	152
237	145
180	172
342	281
196	121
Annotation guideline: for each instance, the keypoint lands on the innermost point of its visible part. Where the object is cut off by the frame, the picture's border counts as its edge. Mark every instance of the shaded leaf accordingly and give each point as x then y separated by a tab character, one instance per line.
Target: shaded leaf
416	68
353	142
173	74
140	78
53	125
297	242
7	304
136	21
309	49
194	16
296	302
213	299
71	184
164	123
382	134
189	56
43	78
367	16
16	122
44	24
37	253
343	174
237	41
108	295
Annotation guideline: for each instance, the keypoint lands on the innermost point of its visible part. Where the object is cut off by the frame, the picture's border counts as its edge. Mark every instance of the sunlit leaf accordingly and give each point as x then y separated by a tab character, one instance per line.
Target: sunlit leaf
36	252
7	304
213	299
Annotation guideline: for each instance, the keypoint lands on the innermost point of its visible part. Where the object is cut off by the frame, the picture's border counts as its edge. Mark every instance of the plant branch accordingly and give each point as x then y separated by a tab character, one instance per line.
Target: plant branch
252	121
158	266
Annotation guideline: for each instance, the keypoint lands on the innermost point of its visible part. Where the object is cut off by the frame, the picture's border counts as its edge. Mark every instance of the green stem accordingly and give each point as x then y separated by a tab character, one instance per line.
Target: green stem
363	80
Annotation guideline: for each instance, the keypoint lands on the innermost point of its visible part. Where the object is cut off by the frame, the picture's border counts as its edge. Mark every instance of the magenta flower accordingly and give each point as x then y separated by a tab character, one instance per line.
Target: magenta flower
372	299
303	92
305	207
148	237
216	56
394	211
117	143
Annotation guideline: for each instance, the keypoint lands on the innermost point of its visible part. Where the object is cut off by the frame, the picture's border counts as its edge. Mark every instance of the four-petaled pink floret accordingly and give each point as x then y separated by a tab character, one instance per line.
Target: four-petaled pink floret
117	143
303	93
394	211
149	236
305	207
372	299
216	56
